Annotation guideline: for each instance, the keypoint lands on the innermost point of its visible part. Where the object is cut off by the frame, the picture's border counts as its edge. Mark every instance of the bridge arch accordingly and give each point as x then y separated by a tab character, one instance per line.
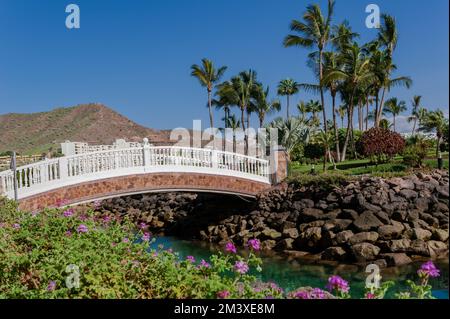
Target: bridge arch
98	175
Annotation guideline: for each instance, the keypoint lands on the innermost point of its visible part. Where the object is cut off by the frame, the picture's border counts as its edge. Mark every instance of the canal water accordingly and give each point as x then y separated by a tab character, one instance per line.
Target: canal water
292	273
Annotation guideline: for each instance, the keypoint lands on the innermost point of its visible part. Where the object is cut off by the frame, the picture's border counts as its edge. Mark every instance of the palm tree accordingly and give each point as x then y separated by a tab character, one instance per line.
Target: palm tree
238	91
326	140
302	110
262	105
234	124
291	132
394	107
415	111
222	103
287	88
356	74
207	75
435	121
341	111
314	107
385	124
388	38
314	30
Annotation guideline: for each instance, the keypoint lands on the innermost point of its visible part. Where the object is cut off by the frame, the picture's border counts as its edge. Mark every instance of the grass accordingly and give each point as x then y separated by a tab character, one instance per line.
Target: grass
395	168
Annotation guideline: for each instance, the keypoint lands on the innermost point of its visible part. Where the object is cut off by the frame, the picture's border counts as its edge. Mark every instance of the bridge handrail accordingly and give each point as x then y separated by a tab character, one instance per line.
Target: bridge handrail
68	167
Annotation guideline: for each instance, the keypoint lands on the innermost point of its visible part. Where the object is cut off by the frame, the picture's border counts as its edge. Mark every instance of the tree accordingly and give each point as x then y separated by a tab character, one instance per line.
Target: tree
291	132
314	30
415	112
387	39
234	125
207	75
287	88
314	107
302	110
341	111
262	105
356	73
238	91
435	121
394	107
326	140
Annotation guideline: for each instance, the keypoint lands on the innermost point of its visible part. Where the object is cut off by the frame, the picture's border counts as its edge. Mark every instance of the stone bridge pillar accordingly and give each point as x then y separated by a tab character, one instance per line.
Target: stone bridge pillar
279	162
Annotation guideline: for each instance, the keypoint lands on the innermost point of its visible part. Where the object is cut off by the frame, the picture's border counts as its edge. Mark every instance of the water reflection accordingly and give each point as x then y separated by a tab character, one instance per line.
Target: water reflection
291	273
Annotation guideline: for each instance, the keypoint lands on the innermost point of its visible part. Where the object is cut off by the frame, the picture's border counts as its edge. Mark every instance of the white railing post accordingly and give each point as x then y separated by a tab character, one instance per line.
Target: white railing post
44	171
63	170
214	159
147	155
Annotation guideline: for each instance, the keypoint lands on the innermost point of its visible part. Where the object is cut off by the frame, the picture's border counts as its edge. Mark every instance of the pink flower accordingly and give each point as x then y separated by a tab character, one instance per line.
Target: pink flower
97	204
429	269
224	294
68	233
254	244
82	229
106	218
338	284
125	240
146	237
68	213
241	267
317	293
142	225
51	286
302	295
230	247
190	259
16	226
34	213
370	296
204	264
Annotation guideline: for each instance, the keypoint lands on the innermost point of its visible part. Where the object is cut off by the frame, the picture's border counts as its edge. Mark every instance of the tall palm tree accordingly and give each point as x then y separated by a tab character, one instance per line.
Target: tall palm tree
435	121
314	30
387	39
302	110
262	105
238	91
394	107
414	112
341	111
234	124
208	75
222	103
356	73
314	107
287	87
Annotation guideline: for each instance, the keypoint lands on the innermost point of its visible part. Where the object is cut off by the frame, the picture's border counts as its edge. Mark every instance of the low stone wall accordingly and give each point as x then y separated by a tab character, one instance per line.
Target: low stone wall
389	222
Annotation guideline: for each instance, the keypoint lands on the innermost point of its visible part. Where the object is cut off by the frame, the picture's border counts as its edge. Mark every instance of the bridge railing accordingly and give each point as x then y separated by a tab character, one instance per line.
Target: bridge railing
54	173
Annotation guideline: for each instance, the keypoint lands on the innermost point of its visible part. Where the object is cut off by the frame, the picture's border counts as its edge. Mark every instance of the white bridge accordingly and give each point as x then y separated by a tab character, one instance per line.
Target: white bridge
53	174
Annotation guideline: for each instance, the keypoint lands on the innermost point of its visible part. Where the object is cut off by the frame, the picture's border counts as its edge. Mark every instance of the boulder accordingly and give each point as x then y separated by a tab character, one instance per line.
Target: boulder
341	224
311	214
334	253
291	233
396	259
399	245
401	183
365	251
271	233
348	214
343	237
287	243
437	248
370	237
418	233
390	231
367	221
383	217
268	244
440	235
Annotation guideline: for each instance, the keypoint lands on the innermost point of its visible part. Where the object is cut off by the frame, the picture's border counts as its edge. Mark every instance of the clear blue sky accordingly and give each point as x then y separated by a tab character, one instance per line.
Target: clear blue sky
135	55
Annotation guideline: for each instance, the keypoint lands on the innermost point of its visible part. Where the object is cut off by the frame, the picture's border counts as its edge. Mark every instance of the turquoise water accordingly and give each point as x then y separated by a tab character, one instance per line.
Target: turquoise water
291	274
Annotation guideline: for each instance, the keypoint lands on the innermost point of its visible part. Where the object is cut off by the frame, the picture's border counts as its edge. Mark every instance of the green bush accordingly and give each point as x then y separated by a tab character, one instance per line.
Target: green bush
74	253
314	151
414	155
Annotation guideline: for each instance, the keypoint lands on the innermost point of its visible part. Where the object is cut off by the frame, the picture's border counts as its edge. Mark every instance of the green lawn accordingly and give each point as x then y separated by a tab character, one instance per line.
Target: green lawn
364	166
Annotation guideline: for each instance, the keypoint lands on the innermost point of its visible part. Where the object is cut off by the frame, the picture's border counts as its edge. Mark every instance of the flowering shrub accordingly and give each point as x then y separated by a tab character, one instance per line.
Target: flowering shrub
43	253
381	144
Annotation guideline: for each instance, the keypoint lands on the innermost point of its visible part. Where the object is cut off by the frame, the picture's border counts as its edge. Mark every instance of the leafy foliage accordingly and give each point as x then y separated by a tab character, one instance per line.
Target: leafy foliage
381	144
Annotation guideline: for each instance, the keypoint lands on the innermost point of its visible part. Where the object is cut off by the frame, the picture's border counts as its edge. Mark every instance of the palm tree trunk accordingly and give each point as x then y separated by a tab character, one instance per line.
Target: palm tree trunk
243	129
377	96
359	115
211	121
347	135
380	109
322	97
367	113
394	122
336	136
414	126
342	122
287	107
